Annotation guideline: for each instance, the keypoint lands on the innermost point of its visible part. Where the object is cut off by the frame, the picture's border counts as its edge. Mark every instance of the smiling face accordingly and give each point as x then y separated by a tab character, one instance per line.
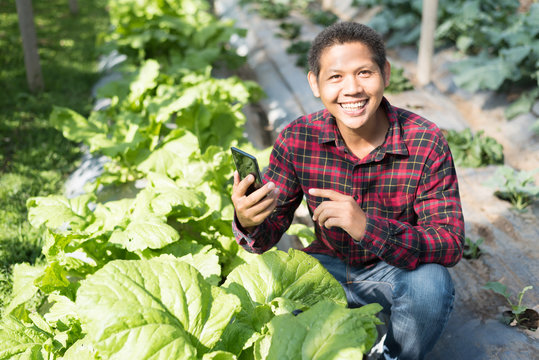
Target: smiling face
351	86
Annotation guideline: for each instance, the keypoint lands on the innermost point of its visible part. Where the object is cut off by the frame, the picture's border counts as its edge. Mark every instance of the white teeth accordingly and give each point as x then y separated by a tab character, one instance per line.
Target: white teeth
353	106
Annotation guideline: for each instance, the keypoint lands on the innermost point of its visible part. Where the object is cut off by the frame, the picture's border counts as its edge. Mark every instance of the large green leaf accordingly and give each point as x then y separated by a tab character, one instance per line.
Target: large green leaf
74	126
81	350
184	202
172	156
476	73
275	283
151	232
158	308
219	355
23	284
19	341
142	228
61	308
204	258
296	276
327	331
54	277
109	215
145	80
57	211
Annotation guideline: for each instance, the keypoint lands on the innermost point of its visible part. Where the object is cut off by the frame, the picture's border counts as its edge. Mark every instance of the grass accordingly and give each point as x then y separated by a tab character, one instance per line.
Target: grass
35	159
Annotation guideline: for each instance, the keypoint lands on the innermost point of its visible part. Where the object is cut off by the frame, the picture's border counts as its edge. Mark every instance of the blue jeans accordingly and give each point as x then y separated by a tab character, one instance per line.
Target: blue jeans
418	301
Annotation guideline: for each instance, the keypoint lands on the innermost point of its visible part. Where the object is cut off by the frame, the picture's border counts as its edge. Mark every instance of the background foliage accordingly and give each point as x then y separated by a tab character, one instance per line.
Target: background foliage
494	37
35	158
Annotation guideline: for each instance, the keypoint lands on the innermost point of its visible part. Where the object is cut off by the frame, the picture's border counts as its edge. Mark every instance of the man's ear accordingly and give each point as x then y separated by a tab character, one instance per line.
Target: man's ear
387	73
313	82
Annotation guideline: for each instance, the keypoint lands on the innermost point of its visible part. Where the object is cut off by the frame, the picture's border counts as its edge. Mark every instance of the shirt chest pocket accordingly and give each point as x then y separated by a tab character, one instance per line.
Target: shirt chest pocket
399	207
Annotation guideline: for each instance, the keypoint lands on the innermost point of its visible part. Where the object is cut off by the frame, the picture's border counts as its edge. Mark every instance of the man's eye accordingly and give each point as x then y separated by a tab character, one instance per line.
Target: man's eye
334	77
364	73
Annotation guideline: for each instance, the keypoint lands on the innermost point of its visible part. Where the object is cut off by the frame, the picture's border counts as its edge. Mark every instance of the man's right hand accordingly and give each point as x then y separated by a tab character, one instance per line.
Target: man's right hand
252	210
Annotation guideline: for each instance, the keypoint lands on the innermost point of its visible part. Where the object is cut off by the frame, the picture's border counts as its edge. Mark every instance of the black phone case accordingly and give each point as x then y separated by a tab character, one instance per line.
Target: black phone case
247	164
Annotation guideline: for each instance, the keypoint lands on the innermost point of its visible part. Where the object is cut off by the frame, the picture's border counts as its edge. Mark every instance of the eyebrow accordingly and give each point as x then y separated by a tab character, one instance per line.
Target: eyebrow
364	66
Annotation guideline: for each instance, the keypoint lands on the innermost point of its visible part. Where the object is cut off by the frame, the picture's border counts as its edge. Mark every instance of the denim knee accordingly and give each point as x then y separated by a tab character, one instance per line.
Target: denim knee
428	289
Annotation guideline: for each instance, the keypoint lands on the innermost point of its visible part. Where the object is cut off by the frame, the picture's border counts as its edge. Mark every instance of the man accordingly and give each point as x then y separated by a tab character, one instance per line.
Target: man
381	187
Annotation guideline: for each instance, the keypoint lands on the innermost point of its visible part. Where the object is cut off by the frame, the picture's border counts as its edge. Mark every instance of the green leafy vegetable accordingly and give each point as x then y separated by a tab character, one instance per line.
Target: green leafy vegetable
517	309
325	331
185	29
21	341
24	289
471	150
153	308
295	276
398	82
132	268
304	233
471	248
517	187
274	283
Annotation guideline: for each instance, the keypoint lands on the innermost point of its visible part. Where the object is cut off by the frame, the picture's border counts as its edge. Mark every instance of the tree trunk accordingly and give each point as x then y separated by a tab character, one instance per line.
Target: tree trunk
426	41
29	44
73	7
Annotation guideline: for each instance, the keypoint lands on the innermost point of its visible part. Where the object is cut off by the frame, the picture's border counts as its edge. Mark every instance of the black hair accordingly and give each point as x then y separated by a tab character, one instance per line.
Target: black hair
347	32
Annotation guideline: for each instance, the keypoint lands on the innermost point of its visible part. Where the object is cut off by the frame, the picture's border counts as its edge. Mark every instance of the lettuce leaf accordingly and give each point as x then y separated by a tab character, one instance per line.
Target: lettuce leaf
21	341
275	283
23	284
57	211
157	308
325	331
295	276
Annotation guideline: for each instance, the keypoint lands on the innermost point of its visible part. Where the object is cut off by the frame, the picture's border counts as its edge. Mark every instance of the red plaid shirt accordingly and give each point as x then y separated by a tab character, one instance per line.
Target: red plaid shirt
407	188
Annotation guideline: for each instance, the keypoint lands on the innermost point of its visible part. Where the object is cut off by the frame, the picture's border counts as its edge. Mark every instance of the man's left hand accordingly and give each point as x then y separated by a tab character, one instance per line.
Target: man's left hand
339	211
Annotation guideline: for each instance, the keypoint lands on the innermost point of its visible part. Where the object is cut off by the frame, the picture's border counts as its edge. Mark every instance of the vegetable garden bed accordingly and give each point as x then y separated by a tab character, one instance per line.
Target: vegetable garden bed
144	264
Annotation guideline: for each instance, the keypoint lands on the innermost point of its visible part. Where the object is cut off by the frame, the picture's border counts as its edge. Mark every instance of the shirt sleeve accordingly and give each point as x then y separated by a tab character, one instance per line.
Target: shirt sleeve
281	172
438	236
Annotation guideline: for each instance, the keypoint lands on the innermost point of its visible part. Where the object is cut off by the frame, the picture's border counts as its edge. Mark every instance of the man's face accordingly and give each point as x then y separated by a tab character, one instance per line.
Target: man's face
350	84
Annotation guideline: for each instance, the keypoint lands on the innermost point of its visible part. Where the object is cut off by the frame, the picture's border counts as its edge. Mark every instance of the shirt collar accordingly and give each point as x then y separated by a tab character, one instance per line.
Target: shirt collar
393	144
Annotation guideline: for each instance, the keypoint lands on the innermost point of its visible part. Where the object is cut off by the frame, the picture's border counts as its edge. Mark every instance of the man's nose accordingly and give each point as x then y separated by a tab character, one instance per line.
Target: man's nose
352	85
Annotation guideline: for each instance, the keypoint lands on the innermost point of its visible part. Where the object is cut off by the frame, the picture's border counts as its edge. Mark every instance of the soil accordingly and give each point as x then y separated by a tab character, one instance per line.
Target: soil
528	320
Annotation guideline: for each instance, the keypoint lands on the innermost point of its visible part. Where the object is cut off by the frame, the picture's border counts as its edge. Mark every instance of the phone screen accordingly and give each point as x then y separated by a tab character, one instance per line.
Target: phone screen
246	164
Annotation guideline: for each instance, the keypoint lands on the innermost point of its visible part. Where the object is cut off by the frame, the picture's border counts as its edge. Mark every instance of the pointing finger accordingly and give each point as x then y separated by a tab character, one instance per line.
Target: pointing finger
326	193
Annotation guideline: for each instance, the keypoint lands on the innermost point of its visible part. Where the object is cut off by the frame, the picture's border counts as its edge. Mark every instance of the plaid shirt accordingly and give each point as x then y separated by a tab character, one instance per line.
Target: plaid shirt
407	188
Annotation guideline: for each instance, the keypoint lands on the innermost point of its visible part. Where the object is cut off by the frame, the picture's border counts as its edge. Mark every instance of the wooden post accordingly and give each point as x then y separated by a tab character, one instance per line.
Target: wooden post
29	44
73	7
426	41
327	4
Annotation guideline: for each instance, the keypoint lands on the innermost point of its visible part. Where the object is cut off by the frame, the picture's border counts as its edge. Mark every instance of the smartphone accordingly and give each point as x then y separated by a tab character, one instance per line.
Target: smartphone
246	164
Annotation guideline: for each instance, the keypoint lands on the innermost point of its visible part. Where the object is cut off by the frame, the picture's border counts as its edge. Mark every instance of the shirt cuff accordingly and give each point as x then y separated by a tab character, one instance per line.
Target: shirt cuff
243	238
381	238
377	235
